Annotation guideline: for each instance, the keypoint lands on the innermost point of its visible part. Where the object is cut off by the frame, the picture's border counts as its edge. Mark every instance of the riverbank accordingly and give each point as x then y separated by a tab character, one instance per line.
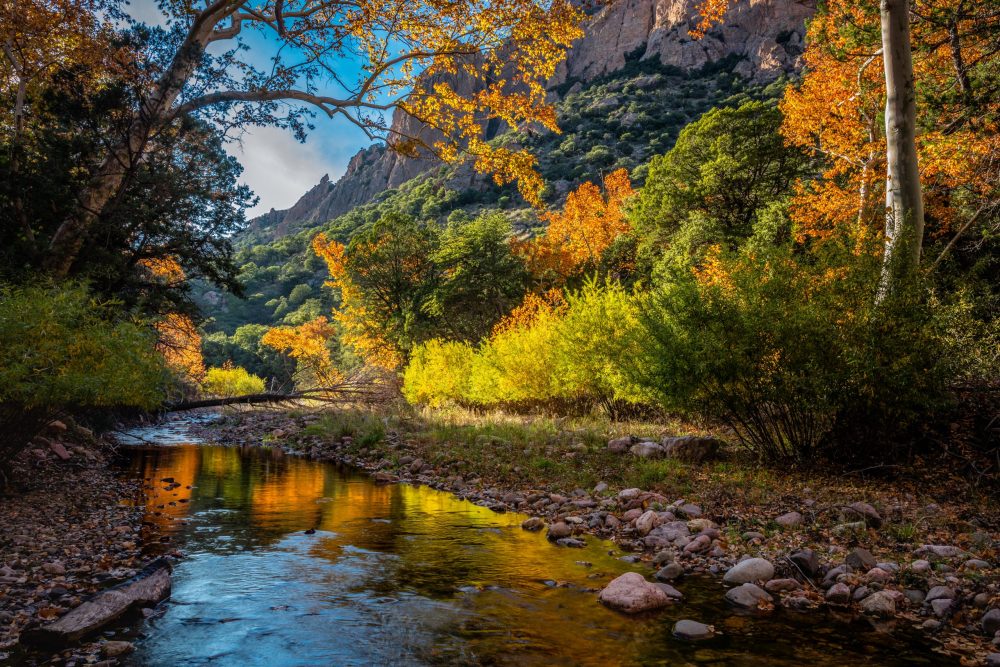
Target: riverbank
68	529
920	550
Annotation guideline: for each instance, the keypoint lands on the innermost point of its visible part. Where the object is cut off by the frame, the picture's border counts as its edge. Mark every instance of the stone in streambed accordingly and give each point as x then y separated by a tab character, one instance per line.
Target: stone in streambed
113	649
670	572
748	596
692	630
632	594
533	524
751	569
559	530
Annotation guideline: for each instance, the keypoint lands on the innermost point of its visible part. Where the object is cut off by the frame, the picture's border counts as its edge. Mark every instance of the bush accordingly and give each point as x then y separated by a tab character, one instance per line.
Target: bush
797	356
63	349
438	373
232	381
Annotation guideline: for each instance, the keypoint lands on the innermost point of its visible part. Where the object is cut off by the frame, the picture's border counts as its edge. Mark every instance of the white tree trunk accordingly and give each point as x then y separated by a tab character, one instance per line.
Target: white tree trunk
904	225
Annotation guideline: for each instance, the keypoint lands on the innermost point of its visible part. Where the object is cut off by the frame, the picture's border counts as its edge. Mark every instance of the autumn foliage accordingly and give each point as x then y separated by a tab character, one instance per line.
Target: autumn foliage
579	234
307	345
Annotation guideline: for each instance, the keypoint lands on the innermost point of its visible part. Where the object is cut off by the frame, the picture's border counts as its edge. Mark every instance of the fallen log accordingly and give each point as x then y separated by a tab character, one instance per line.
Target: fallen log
327	395
146	589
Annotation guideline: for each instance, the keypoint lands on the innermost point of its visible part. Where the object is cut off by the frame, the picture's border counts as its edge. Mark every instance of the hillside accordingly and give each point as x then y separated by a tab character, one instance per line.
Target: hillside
625	93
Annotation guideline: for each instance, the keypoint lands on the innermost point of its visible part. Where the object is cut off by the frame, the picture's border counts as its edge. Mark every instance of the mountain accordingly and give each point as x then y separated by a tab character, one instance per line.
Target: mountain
759	41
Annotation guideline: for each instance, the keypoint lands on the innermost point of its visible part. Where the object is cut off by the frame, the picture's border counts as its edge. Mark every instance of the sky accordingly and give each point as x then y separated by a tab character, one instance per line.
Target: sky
277	167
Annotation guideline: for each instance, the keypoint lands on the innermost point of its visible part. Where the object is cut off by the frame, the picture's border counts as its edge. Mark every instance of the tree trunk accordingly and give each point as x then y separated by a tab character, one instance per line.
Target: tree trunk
904	225
109	177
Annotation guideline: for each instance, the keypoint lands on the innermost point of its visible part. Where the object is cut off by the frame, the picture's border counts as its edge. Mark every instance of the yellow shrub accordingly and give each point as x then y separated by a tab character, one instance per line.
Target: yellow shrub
438	372
234	381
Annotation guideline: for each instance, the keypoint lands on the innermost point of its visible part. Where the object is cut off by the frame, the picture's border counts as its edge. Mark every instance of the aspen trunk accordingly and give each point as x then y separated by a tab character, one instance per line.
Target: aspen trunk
904	225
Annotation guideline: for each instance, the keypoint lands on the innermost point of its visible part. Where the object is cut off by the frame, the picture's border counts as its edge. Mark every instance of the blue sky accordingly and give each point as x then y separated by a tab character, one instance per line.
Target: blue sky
276	166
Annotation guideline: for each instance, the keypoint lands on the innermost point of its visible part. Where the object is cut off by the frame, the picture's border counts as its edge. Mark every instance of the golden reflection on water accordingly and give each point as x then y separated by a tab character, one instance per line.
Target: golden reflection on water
462	580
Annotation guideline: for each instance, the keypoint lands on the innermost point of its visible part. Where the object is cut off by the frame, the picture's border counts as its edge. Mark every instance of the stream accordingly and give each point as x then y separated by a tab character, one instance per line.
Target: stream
400	574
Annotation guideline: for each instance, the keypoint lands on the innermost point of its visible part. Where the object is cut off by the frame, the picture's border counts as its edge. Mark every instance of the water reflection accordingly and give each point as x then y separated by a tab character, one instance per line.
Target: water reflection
407	575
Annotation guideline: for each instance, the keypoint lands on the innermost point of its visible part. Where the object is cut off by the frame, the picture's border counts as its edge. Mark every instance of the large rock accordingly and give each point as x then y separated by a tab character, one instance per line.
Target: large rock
647	450
863	512
692	448
748	596
839	594
631	593
861	559
789	520
806	560
749	570
991	622
620	445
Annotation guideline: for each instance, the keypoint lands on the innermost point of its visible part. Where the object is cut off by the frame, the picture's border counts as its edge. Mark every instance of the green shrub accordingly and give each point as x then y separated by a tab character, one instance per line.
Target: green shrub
63	349
795	354
232	381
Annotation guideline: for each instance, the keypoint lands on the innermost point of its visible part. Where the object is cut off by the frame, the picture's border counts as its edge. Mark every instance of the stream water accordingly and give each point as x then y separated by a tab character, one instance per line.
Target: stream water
399	574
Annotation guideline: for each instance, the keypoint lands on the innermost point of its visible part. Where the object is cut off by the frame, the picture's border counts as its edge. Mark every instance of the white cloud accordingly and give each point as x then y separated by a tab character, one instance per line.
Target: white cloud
280	170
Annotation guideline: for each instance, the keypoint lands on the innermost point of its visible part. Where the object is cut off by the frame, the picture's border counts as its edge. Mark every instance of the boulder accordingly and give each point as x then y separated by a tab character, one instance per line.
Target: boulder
749	570
879	604
533	524
692	448
748	596
559	530
692	630
632	594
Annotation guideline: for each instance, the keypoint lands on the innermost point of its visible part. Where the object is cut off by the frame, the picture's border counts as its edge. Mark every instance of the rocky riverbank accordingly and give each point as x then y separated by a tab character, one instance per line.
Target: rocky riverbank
68	529
889	552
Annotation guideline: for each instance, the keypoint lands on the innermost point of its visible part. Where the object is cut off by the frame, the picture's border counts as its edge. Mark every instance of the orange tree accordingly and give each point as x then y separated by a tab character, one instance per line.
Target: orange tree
579	235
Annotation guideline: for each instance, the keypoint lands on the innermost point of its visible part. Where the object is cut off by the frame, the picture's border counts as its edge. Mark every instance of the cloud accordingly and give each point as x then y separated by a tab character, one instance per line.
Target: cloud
280	170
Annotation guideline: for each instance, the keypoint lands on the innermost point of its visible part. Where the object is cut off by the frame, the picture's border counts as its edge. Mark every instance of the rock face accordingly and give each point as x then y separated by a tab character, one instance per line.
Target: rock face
765	35
631	593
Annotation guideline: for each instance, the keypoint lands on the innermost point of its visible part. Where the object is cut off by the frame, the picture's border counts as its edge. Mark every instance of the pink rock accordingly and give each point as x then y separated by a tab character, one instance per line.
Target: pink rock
632	594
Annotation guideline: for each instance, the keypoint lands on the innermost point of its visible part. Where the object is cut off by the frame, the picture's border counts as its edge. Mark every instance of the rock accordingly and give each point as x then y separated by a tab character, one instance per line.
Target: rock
671	592
631	593
921	566
861	559
938	551
782	585
789	520
748	596
940	593
629	494
646	522
991	622
559	530
670	572
751	535
692	630
914	596
59	450
941	606
698	544
838	594
690	510
620	445
864	512
880	604
993	660
751	569
533	524
847	528
571	542
113	649
385	478
878	575
54	568
647	450
692	449
599	488
976	564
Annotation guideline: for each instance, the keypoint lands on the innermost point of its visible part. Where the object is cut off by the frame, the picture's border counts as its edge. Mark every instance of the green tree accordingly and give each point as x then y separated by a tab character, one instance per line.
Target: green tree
725	169
480	277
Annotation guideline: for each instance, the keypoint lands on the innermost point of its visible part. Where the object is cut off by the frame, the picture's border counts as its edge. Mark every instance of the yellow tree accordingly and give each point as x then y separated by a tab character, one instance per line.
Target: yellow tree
178	339
359	61
307	345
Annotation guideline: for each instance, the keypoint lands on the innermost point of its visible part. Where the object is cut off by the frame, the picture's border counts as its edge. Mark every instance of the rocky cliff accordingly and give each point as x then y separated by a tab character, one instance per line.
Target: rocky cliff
765	36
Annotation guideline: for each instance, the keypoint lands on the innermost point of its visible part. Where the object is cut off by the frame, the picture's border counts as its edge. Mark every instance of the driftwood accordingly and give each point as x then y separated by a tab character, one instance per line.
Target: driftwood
147	588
